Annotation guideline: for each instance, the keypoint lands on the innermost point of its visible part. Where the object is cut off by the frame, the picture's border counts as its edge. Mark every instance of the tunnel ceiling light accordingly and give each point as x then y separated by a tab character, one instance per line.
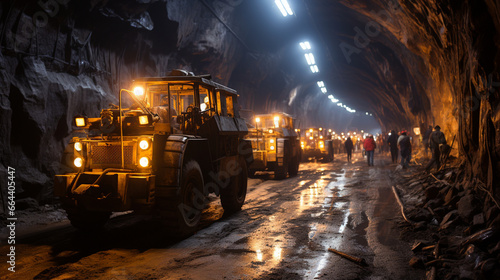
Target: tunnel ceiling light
331	96
339	104
314	69
305	45
310	58
323	90
321	84
284	7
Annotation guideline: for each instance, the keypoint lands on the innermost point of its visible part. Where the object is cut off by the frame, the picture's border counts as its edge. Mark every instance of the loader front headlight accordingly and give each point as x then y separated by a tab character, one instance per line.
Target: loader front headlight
80	121
78	146
78	162
143	119
144	144
144	162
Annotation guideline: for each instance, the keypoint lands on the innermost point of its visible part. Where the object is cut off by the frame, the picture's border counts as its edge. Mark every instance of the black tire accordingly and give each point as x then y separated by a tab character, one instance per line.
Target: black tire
281	171
181	208
233	196
87	220
294	167
251	173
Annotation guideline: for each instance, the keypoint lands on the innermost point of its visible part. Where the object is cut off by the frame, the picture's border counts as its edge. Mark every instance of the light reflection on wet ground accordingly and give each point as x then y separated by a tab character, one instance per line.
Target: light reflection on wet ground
283	231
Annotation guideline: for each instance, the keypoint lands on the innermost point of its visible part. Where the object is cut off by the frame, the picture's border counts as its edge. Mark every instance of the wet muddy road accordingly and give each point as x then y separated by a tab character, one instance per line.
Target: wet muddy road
283	231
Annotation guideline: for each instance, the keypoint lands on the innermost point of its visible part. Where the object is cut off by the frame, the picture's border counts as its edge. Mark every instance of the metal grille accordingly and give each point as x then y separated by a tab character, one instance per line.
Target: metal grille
254	144
111	154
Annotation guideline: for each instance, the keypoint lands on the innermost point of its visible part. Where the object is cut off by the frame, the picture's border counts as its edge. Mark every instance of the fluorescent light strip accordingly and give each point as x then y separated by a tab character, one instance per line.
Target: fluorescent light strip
287	7
280	6
308	59
311	58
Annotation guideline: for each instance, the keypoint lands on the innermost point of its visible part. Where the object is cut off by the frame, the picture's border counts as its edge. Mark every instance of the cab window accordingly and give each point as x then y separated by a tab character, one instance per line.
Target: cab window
182	96
229	106
219	105
206	100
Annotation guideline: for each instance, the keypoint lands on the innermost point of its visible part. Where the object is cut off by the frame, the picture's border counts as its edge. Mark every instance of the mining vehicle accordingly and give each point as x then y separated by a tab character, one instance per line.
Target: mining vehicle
275	145
179	140
316	143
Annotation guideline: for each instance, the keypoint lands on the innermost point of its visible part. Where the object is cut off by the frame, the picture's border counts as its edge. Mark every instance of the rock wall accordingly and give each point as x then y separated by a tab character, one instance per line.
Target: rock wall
431	62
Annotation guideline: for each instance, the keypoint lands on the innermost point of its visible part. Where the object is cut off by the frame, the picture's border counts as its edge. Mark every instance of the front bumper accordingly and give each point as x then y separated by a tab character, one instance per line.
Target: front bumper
314	153
109	190
263	160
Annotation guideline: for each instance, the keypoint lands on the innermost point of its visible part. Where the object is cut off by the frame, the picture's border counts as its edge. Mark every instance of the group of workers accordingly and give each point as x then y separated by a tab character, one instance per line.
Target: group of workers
401	145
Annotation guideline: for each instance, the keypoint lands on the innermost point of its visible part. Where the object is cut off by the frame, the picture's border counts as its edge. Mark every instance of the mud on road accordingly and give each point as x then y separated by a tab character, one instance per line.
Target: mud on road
283	231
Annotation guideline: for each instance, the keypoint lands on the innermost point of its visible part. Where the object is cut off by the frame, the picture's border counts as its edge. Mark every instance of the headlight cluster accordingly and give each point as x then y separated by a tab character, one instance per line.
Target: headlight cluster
78	153
272	144
144	153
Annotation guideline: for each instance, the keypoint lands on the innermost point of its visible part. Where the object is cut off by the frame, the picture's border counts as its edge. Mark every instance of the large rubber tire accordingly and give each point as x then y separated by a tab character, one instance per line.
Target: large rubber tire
233	196
182	207
293	170
251	173
87	220
281	171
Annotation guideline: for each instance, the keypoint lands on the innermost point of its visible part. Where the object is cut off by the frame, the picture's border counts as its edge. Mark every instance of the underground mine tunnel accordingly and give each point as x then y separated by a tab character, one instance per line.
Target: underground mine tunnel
275	86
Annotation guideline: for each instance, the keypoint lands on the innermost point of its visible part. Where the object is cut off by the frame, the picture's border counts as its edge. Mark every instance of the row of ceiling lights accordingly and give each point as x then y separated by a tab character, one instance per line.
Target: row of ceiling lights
286	10
306	46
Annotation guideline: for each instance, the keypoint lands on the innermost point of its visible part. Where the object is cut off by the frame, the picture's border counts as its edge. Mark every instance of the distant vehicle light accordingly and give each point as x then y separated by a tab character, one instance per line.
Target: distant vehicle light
311	130
80	122
78	162
311	138
203	106
271	141
139	91
271	131
271	148
78	146
144	162
257	120
143	119
144	144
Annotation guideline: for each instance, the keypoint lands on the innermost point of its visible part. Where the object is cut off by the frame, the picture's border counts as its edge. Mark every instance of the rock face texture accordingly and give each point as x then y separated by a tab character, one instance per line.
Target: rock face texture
407	62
